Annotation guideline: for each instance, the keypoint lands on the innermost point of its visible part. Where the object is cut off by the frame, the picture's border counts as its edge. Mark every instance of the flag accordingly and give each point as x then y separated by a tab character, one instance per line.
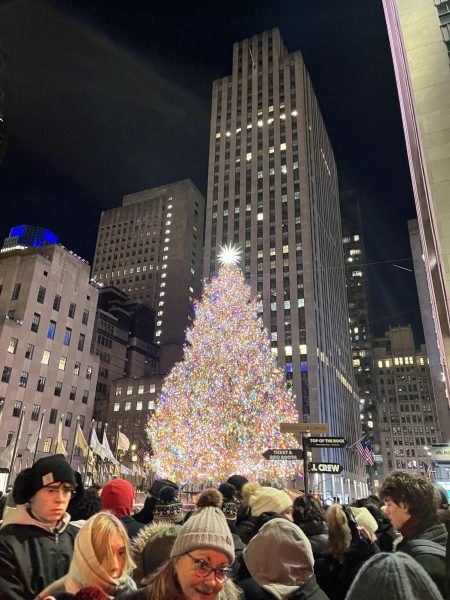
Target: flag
123	443
97	448
6	454
60	448
108	454
365	450
33	440
370	457
80	440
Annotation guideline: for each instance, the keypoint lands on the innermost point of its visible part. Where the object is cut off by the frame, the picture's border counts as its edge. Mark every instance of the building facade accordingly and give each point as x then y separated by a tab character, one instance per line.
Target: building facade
272	190
360	331
419	34
151	249
408	417
48	310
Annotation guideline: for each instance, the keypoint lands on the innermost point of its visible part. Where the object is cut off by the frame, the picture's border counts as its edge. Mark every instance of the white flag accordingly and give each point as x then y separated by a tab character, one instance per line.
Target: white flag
96	447
80	440
33	440
60	448
6	454
109	455
123	443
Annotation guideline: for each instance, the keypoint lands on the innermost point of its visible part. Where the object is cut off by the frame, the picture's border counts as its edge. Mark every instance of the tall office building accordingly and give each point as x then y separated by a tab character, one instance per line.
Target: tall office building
272	190
359	329
151	249
48	309
419	34
408	417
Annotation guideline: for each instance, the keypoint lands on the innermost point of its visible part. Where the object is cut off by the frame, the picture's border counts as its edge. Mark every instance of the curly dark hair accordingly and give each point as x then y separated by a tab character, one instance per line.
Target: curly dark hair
416	492
307	508
90	504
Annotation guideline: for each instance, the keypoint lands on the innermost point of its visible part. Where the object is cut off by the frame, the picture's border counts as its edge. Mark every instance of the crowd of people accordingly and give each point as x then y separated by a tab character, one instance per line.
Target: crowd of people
59	541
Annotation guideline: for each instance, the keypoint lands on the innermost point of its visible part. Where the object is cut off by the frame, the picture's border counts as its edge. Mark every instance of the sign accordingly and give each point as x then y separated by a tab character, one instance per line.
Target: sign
326	442
304	427
283	454
440	453
314	467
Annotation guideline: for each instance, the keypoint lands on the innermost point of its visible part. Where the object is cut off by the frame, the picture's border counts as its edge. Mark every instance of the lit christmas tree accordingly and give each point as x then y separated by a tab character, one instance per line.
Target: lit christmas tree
221	407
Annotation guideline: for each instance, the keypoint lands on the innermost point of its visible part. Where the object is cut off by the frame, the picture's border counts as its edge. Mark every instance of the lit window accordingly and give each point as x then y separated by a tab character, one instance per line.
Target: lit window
303	349
260	216
294	113
218	135
151	405
118	391
260	123
283	146
13	346
139	405
141	389
116	406
249	156
301	303
152	388
228	133
288	350
158	333
128	405
62	363
129	390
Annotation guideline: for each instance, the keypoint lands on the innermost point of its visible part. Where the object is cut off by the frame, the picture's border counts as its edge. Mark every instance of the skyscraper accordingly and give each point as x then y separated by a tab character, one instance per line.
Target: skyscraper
272	190
151	249
419	35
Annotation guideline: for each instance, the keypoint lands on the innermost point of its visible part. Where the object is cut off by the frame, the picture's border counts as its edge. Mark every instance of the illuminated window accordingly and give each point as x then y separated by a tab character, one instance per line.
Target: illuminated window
129	390
62	363
141	389
128	405
12	346
116	406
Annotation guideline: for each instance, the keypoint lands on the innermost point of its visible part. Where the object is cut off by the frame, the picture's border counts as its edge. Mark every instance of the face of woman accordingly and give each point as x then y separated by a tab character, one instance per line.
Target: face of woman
194	585
116	566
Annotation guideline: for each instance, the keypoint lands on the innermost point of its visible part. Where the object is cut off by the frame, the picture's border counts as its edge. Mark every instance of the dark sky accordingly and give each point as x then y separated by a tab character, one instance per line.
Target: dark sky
107	98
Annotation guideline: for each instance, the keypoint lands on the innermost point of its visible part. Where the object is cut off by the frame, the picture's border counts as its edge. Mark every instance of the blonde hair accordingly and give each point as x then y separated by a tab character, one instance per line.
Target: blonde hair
339	534
103	525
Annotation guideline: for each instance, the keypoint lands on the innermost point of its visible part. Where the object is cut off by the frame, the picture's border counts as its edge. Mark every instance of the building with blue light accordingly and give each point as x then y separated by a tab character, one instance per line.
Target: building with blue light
25	236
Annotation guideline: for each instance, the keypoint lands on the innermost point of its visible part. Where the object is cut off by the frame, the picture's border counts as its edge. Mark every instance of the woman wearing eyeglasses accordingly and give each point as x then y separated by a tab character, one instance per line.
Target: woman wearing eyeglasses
199	565
36	539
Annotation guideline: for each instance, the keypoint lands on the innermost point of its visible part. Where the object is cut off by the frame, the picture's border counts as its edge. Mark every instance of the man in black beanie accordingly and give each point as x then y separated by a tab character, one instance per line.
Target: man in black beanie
36	540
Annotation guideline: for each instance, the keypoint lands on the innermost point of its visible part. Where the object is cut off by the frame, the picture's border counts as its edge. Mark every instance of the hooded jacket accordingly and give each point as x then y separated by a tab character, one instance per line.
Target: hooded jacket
32	554
85	570
152	547
118	498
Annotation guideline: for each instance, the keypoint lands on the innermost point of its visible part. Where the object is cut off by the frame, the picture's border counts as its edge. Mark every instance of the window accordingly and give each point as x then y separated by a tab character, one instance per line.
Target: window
35	412
89	373
16	291
6	374
58	388
62	363
40	384
12	346
23	379
67	336
72	308
46	357
73	393
141	389
76	368
68	422
10	437
84	400
81	342
139	405
35	322
129	390
41	295
29	351
118	391
151	405
81	418
57	302
128	405
53	415
48	444
17	408
51	330
116	406
85	317
151	388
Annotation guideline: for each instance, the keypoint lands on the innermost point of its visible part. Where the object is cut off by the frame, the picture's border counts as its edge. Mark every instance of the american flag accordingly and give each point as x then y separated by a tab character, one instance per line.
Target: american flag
365	450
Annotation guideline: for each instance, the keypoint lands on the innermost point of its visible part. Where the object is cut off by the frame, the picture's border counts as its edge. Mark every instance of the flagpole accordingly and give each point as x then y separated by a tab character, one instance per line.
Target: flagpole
74	438
89	451
16	444
56	440
357	441
117	441
39	436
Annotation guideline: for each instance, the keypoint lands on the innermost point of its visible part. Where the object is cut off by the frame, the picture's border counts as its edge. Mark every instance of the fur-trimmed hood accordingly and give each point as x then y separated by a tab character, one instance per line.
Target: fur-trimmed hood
151	547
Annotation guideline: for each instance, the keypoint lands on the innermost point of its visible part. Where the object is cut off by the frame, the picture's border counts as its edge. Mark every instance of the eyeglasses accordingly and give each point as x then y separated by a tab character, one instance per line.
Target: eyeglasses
203	569
63	487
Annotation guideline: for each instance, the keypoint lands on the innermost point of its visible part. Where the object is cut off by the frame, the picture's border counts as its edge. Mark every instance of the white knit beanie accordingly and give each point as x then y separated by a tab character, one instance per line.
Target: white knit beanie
365	519
208	529
265	499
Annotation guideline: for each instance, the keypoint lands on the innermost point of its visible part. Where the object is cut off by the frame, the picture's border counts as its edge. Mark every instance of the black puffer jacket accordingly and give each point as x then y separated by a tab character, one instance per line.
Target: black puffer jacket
317	534
31	555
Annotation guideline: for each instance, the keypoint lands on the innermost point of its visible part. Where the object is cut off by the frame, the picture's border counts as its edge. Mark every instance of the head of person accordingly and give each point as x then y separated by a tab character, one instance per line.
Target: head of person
101	552
238	481
90	504
339	534
266	499
230	506
393	575
200	558
280	554
408	496
365	519
47	487
168	507
151	548
307	508
118	497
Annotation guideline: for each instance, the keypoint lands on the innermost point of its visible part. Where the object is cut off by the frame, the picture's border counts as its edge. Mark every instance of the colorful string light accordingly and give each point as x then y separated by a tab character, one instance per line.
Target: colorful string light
221	407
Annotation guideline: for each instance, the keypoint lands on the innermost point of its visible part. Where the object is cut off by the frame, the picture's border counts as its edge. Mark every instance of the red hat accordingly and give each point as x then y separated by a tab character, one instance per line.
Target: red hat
118	497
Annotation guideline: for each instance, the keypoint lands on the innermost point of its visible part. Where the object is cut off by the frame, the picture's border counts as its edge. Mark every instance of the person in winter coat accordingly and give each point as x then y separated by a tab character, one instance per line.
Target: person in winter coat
311	518
101	559
118	498
393	576
280	560
199	564
386	534
145	515
36	540
412	510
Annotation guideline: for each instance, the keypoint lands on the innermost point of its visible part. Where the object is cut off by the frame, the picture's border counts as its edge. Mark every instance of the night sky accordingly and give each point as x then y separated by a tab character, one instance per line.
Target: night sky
106	98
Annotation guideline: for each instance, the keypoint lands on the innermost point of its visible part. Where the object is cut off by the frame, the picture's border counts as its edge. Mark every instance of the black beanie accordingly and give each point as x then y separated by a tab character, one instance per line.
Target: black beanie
44	472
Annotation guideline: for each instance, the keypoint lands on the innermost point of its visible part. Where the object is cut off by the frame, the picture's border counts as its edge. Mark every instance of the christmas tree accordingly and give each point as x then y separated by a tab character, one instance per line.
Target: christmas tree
221	407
